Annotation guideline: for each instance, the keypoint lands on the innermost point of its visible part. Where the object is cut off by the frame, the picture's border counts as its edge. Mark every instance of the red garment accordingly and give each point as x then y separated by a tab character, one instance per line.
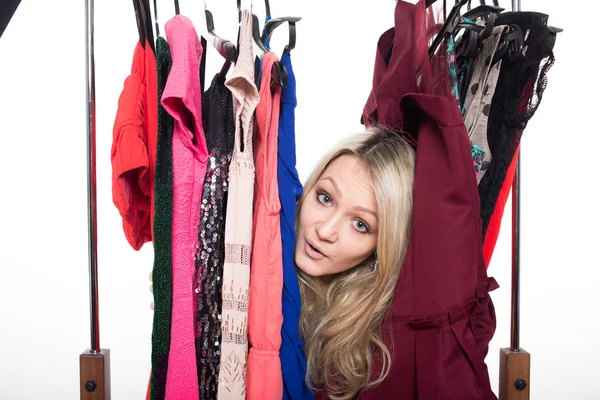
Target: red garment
149	386
441	319
493	230
151	121
264	380
133	152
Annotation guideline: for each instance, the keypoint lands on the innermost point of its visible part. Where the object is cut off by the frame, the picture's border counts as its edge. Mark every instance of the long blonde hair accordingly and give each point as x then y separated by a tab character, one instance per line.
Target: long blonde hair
341	316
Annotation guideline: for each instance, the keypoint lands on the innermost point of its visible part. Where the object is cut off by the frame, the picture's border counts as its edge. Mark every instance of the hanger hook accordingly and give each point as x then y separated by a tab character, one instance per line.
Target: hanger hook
156	19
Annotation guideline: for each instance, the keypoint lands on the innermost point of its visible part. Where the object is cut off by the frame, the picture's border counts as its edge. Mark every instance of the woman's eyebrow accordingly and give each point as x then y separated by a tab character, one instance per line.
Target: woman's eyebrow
335	186
339	193
367	210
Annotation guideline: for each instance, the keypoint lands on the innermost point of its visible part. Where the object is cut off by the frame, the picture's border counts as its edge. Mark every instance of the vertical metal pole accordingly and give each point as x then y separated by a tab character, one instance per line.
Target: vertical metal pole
516	243
516	258
94	363
91	169
516	5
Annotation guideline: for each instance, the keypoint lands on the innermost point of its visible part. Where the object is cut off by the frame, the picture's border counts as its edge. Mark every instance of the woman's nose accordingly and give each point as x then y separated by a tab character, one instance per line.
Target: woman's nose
327	230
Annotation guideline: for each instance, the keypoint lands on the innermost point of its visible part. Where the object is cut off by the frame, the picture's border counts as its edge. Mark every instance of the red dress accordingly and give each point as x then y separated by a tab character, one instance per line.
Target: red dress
442	318
133	152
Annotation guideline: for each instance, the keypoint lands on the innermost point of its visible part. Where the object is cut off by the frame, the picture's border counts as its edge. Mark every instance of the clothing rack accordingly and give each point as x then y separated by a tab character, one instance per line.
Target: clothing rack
94	363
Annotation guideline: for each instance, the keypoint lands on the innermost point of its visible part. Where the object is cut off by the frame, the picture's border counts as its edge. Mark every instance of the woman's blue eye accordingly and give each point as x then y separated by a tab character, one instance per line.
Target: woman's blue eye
360	226
323	198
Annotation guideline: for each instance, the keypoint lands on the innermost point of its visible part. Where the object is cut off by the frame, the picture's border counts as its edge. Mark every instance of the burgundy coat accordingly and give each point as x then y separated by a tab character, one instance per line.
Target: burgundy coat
441	319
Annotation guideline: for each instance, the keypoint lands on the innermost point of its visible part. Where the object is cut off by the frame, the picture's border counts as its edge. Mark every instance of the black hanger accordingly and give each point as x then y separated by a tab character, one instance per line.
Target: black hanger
555	29
512	42
553	32
202	69
466	52
144	23
448	27
140	19
470	44
156	19
279	76
278	71
256	36
273	23
481	3
487	13
482	10
176	7
510	45
225	48
149	31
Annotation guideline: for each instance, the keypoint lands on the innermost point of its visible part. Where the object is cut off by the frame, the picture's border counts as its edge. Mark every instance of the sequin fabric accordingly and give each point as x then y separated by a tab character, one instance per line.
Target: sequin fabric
219	128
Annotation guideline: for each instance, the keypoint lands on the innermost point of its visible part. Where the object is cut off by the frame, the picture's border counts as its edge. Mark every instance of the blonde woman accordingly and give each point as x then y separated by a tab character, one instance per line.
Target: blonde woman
352	231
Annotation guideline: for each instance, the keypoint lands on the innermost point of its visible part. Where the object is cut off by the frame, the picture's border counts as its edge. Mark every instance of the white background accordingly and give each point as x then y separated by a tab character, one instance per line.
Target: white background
44	301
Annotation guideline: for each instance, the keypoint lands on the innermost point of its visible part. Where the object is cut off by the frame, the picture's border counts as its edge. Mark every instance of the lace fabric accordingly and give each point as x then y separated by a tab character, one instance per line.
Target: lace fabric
238	223
519	91
236	253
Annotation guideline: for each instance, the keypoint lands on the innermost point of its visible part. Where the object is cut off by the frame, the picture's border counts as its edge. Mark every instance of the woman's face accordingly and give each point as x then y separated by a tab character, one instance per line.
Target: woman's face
337	225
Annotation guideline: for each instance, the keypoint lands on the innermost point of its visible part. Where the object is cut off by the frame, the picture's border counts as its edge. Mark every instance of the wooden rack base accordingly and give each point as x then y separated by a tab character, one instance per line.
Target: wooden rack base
94	375
514	374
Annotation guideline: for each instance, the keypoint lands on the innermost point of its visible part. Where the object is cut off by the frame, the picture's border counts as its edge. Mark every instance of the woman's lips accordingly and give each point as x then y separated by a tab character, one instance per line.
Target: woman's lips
312	251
